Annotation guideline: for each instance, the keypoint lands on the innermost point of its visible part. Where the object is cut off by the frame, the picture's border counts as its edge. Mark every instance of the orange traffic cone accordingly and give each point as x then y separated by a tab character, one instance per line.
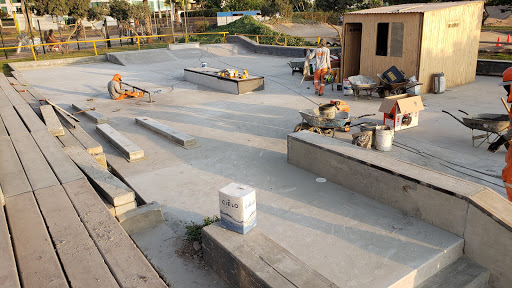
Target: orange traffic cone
498	44
508	38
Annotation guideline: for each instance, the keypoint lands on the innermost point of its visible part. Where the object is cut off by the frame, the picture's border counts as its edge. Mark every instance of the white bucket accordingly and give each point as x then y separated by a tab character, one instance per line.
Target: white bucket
384	138
347	87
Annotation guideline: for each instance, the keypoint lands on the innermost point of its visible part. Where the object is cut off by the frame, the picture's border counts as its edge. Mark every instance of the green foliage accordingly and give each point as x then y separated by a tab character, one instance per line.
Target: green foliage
335	5
204	13
3	14
97	13
194	230
272	7
371	4
140	11
77	8
243	5
120	10
49	7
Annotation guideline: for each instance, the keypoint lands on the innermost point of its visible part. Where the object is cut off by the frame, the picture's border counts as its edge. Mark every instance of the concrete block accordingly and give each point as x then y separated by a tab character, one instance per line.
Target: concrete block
237	204
38	171
101	158
96	117
81	260
415	190
20	66
254	260
38	265
8	271
12	176
91	145
183	46
3	131
143	217
66	120
30	118
464	273
125	208
126	147
4	101
489	244
65	169
115	191
12	121
123	258
207	77
140	57
182	139
50	119
109	206
69	139
13	96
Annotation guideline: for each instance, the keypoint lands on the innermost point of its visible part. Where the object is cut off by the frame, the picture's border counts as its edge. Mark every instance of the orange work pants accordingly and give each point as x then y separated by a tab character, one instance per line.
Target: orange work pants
319	77
506	174
131	94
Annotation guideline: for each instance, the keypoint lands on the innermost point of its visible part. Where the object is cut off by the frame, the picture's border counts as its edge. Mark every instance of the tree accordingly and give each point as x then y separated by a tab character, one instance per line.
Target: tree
147	19
120	10
272	7
335	5
242	5
3	14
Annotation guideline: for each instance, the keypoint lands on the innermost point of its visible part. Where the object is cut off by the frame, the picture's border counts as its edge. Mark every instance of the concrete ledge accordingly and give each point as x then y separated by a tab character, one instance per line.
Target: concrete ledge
182	139
475	212
143	217
461	274
19	66
183	46
97	117
128	149
140	57
51	120
254	260
492	67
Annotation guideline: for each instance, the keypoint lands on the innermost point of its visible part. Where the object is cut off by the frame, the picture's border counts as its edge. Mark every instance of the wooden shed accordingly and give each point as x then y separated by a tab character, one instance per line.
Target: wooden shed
420	39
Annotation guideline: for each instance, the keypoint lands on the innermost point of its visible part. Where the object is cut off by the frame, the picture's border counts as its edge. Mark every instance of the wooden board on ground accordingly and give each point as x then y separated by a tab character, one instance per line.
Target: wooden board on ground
12	121
124	259
65	169
39	173
128	149
38	265
30	118
12	176
8	271
51	120
115	191
81	260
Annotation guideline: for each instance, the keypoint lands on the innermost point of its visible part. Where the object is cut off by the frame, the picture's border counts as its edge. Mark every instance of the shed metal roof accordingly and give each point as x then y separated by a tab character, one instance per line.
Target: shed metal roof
412	8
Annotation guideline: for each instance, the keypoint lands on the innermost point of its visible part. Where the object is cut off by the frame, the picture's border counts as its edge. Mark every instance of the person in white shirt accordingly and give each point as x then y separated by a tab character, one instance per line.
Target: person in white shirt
323	65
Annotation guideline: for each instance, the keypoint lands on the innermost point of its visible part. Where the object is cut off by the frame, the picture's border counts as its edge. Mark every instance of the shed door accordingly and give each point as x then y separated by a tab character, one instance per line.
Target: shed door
352	49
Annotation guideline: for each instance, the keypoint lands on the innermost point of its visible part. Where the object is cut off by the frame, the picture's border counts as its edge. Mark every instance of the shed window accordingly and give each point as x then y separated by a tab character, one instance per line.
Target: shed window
397	39
382	39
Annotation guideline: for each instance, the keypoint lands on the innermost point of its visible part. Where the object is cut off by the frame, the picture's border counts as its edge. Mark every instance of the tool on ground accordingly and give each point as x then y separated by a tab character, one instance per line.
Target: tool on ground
57	107
84	110
506	106
138	88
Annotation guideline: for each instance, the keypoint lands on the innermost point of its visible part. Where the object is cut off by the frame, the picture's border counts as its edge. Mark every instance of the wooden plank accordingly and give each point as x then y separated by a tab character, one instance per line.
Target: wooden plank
39	173
128	149
13	96
3	131
12	176
97	117
115	191
81	260
8	271
12	121
30	118
50	119
38	265
65	169
124	259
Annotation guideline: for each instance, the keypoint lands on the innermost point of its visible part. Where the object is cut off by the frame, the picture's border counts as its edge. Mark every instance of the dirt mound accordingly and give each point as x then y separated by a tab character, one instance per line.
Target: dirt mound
308	31
498	18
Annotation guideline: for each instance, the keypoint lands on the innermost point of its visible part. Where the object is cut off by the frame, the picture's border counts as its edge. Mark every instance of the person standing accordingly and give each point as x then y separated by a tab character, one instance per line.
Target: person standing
323	65
506	174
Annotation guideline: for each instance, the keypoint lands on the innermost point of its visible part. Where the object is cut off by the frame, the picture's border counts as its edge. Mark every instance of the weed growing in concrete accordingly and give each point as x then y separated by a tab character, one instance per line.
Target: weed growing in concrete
194	230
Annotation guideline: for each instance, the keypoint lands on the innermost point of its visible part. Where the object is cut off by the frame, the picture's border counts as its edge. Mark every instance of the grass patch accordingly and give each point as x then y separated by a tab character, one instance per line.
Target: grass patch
194	230
495	56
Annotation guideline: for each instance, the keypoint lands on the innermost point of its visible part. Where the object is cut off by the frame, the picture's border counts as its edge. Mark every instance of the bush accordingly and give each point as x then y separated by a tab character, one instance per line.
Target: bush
194	230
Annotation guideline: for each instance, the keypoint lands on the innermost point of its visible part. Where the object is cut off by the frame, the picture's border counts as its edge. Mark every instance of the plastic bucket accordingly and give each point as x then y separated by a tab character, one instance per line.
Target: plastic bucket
384	138
347	87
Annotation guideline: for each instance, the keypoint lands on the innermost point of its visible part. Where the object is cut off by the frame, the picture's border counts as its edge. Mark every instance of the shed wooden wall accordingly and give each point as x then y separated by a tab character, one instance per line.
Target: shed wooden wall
371	64
450	44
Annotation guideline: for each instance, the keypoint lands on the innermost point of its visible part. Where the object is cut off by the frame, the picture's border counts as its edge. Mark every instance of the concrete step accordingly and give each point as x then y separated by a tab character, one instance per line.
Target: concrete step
8	271
96	117
464	273
13	96
127	148
12	176
12	121
182	139
50	119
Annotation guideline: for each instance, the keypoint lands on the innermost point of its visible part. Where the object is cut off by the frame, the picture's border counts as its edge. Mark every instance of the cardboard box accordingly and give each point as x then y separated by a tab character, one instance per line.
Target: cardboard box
237	207
401	111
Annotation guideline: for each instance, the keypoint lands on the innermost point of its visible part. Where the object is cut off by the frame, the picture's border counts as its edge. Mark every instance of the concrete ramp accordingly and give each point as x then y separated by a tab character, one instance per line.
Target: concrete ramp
141	57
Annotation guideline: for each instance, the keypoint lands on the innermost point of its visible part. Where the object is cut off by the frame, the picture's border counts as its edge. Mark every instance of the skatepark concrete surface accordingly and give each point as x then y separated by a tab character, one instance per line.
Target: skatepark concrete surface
242	138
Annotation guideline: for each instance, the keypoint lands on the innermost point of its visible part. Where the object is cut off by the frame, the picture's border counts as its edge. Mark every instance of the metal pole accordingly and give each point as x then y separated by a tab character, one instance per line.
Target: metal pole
106	33
95	51
41	35
3	45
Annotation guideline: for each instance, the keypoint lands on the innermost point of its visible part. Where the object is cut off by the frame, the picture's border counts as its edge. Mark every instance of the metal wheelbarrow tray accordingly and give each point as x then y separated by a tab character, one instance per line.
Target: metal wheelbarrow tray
315	122
364	83
488	122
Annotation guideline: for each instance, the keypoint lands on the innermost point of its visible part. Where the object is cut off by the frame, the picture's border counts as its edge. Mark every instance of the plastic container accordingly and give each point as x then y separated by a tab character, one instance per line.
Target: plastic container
204	64
347	87
439	83
384	138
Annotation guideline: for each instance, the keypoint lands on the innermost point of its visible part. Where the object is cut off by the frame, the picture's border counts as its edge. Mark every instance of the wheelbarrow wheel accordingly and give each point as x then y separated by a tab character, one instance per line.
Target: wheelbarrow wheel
383	92
302	126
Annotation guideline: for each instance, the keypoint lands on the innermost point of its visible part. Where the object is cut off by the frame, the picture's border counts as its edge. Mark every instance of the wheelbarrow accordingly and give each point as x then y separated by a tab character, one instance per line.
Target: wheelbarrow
297	65
362	83
385	88
313	121
490	123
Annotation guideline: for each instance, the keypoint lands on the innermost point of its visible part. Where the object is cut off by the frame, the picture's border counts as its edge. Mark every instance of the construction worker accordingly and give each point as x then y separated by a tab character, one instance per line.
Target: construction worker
506	174
323	65
115	91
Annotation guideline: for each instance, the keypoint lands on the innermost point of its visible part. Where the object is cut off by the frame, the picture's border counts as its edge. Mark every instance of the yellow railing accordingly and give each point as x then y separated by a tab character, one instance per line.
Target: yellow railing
113	39
285	37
